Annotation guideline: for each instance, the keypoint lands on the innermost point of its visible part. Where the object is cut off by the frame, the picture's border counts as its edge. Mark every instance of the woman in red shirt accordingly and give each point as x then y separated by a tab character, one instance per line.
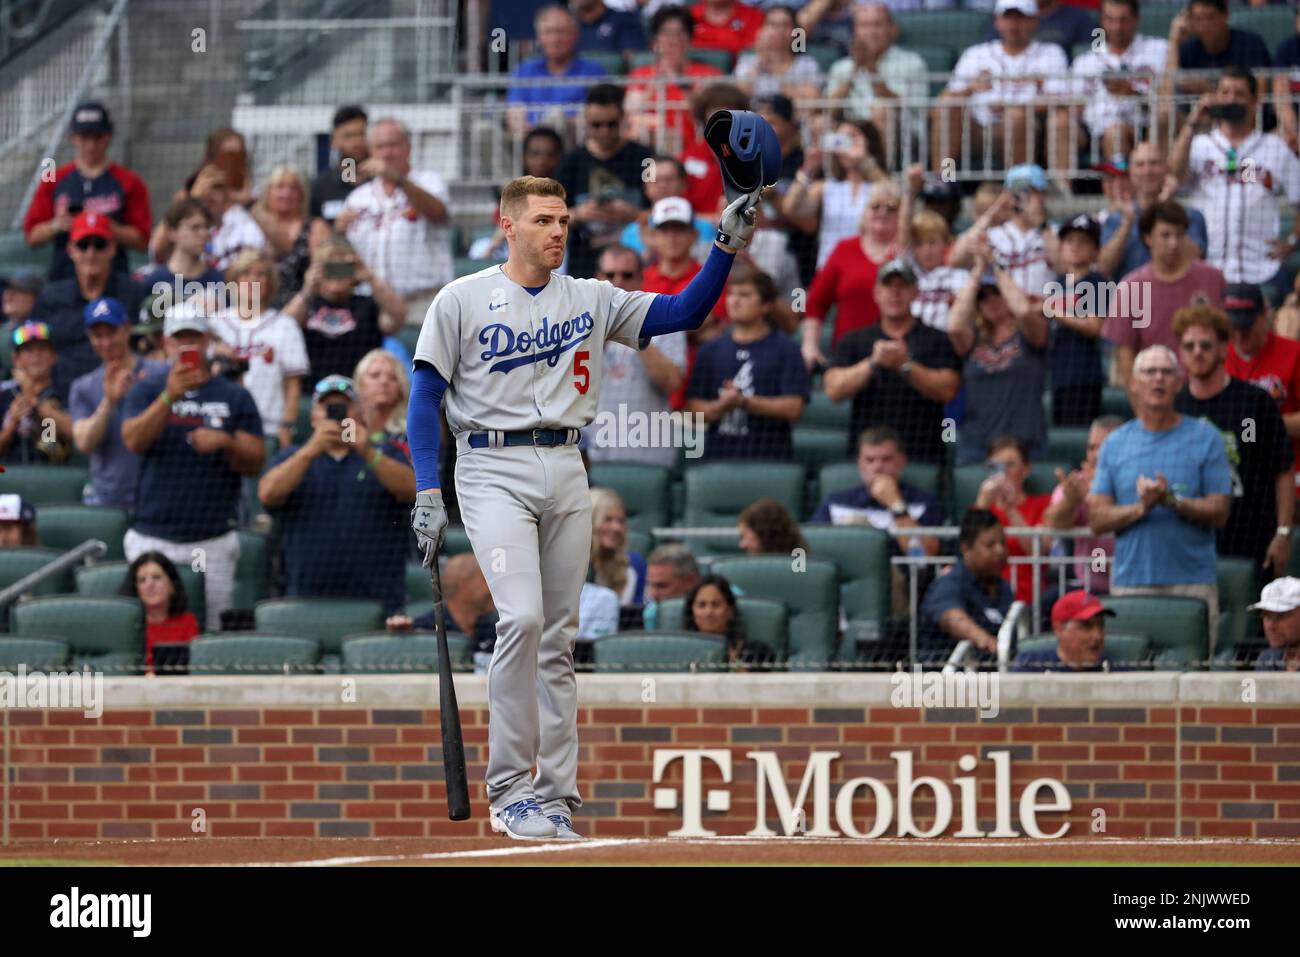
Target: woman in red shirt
848	280
670	39
153	579
1003	494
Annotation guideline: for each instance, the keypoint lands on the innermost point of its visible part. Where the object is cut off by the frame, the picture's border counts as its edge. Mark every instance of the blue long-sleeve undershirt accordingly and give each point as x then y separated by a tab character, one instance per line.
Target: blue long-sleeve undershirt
680	313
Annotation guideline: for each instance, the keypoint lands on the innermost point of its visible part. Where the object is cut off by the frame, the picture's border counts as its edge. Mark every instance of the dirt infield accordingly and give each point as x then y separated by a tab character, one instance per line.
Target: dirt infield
339	852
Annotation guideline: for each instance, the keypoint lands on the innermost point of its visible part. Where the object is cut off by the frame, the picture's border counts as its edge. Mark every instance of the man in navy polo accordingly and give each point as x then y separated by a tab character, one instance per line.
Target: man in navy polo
1079	621
197	436
343	505
96	404
971	601
62	304
92	184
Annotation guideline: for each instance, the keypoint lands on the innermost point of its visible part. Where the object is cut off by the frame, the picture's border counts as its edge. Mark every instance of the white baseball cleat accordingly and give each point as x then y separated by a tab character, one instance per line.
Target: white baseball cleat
564	828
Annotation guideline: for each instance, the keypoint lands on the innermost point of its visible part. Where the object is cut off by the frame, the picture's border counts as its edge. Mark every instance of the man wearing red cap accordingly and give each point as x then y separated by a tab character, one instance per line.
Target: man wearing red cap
62	304
1079	622
91	184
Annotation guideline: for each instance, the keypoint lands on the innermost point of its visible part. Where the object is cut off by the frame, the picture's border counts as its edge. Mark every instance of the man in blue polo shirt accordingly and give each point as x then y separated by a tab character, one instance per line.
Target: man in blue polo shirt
970	602
197	437
1079	621
1163	486
96	405
343	505
557	37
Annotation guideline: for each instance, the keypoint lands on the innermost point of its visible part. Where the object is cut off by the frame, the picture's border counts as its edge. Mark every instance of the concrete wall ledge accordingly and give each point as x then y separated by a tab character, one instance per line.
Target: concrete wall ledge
743	690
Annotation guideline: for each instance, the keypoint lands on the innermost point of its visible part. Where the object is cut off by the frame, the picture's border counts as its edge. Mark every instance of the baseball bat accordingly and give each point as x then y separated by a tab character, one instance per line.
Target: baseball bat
453	744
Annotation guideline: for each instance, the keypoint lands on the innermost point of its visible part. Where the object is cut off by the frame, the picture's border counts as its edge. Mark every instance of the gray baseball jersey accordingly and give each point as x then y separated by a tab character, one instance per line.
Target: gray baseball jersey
515	361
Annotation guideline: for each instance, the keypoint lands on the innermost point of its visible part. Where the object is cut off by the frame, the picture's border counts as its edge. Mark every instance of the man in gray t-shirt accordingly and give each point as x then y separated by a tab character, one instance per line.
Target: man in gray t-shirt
636	384
95	402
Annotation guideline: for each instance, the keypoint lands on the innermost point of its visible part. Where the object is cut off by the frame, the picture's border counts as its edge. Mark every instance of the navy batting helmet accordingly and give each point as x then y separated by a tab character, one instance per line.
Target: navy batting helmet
747	151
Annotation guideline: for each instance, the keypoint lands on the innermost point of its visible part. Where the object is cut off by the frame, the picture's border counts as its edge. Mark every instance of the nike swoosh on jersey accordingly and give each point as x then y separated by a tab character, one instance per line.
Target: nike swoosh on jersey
494	306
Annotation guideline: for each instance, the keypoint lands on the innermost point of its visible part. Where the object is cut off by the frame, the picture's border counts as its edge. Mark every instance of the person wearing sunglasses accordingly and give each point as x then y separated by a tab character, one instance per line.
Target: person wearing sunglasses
91	183
336	494
637	382
1163	486
31	402
1263	490
62	304
602	180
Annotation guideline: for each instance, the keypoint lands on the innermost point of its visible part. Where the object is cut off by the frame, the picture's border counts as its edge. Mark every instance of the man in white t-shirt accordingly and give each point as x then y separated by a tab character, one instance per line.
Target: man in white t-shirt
636	383
1237	174
1113	82
1003	83
399	221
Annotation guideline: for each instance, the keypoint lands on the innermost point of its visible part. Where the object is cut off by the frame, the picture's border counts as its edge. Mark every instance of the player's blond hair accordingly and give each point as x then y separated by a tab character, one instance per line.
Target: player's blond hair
514	198
610	565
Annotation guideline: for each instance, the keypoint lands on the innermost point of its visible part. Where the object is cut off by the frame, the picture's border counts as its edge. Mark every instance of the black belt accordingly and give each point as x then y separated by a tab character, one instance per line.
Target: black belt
501	439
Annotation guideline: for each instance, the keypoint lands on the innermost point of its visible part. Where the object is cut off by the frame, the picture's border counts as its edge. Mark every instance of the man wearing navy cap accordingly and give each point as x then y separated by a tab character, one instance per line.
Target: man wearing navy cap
34	426
90	183
337	494
1075	309
1079	621
96	405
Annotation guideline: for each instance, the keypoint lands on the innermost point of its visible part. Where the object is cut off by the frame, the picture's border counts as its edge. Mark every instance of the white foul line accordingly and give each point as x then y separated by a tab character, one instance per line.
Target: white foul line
512	850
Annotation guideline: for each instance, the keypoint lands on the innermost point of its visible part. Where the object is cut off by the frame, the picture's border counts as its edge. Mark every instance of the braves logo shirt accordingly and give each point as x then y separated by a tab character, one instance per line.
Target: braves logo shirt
1237	189
514	360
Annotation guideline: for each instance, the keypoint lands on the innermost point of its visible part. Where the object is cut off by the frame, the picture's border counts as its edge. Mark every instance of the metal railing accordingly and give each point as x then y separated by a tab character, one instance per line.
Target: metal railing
91	548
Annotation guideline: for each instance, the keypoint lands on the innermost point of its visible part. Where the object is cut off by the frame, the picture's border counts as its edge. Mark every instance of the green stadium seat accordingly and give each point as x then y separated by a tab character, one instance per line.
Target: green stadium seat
720	59
643	489
955	29
816	447
250	653
825	54
106	634
45	484
924	475
456	541
403	652
67	526
1126	647
17	563
417	609
1156	18
106	578
610	61
861	558
1179	627
17	255
419	584
1274	23
839	477
653	651
409	335
938	59
822	413
251	571
1114	401
1067	444
302	428
1237	592
811	598
467	267
717	492
33	652
640	541
761	620
966	480
327	620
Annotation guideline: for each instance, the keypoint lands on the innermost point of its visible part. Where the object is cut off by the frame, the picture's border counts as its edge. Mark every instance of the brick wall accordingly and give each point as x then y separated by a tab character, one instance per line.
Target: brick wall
284	761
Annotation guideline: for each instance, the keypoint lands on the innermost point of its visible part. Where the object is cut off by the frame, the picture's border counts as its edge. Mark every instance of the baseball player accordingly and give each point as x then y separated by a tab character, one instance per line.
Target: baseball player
515	350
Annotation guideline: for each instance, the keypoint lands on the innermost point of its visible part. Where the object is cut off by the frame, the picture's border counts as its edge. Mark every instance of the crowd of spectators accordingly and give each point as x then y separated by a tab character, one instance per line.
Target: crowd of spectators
867	283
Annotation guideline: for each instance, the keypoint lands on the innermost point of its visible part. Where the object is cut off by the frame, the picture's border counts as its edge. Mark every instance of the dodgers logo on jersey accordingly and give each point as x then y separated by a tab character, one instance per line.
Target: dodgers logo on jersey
550	342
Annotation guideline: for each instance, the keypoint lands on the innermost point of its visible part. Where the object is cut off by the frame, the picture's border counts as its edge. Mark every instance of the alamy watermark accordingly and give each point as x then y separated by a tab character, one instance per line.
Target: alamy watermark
624	428
73	690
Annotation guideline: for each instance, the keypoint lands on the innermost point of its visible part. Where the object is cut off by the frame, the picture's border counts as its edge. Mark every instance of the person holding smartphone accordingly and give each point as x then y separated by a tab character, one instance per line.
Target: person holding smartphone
336	494
340	324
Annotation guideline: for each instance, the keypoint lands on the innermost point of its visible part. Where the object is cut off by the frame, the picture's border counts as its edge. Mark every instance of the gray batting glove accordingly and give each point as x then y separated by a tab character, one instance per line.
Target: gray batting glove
429	522
736	224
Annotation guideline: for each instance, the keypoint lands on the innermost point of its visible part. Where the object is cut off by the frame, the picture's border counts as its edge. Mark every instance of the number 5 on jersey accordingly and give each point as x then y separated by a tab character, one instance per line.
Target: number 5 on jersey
581	374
